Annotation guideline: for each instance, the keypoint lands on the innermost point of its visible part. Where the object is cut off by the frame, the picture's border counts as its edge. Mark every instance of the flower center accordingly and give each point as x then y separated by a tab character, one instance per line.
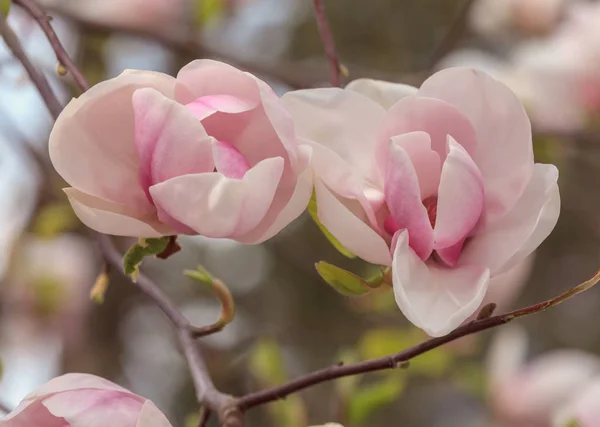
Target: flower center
431	204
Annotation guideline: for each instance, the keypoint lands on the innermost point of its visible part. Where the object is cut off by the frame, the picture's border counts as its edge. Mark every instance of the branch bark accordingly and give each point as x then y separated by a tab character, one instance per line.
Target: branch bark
328	43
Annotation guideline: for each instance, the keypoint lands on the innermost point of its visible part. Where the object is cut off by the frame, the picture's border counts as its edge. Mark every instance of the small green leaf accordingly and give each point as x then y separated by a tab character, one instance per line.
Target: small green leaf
372	397
5	7
143	248
341	280
201	275
312	210
100	287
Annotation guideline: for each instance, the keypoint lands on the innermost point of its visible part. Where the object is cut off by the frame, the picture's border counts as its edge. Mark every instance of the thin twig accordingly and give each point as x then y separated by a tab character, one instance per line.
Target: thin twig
328	44
393	361
204	417
36	77
43	20
452	37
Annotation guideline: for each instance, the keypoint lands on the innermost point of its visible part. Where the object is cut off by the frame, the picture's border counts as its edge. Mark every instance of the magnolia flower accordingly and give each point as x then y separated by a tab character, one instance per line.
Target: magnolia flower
583	409
533	394
211	152
438	182
84	400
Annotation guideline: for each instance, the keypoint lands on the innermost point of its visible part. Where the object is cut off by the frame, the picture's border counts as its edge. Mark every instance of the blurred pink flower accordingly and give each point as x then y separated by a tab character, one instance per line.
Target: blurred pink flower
583	409
530	394
438	182
84	400
212	152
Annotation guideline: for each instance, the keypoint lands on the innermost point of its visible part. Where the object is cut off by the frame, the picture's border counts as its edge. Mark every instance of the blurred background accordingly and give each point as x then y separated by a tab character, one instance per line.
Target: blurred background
289	321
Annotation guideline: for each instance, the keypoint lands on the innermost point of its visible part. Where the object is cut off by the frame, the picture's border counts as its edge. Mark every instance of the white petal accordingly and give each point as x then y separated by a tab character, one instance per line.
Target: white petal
384	93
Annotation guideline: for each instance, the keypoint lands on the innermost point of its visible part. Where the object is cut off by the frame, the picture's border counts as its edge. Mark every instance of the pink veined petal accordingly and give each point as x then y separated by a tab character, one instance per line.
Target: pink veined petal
403	196
433	116
229	161
505	151
426	162
112	218
344	121
92	143
348	229
151	416
168	138
293	207
460	197
435	299
384	93
206	106
345	181
32	414
216	206
95	408
502	244
450	255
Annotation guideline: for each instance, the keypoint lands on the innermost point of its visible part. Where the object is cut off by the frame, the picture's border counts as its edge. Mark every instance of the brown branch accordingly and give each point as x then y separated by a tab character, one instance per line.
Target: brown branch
453	36
43	20
393	361
38	79
328	44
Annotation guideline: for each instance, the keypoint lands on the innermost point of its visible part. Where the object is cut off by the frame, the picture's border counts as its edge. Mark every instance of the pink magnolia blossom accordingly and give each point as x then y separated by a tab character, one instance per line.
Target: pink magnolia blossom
438	182
532	394
583	409
211	152
82	400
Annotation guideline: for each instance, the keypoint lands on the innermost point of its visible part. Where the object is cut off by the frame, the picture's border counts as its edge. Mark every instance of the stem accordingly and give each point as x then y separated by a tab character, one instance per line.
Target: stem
43	20
36	77
328	43
393	361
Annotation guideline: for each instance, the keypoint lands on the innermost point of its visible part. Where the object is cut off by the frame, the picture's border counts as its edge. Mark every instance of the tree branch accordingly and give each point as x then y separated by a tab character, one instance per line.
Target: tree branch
38	79
43	20
393	361
328	43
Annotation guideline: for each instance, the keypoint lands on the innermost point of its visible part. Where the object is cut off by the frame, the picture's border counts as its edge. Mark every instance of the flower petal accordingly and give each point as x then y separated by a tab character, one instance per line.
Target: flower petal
433	116
384	93
169	140
505	150
151	416
216	206
229	161
206	106
293	208
403	196
435	299
502	244
460	197
113	218
348	229
92	143
344	121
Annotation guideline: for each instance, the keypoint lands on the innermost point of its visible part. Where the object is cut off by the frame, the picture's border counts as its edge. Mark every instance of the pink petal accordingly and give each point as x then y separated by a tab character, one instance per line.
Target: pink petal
151	416
403	196
169	140
293	207
505	288
344	121
506	355
460	197
349	230
505	151
450	255
384	93
426	162
435	299
229	161
75	382
435	117
113	218
216	206
92	143
501	244
32	414
206	106
95	408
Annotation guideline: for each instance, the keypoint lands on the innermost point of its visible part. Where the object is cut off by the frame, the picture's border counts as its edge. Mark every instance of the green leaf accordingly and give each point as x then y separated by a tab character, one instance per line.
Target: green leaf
312	210
55	218
207	10
266	363
383	342
373	397
143	248
341	280
5	7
